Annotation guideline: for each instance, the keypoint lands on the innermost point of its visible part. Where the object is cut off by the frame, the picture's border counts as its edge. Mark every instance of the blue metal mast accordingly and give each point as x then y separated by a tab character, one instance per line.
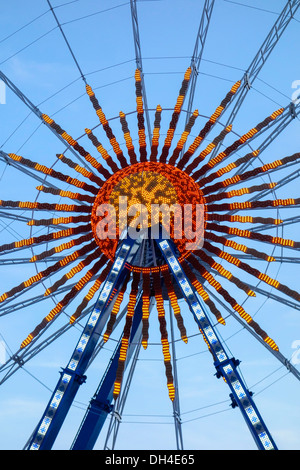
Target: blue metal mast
72	376
101	404
226	366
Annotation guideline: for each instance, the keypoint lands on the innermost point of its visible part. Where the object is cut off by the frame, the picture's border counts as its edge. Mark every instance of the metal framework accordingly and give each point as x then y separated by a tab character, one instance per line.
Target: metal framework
73	374
100	406
176	402
88	346
35	110
117	412
198	52
5	158
226	366
139	61
260	59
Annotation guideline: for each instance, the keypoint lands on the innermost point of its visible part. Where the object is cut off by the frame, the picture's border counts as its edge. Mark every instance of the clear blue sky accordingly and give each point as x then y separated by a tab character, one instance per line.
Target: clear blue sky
37	60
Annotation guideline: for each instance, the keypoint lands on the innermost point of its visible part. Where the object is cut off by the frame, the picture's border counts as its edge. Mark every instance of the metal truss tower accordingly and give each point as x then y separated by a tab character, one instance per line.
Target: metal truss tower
73	375
101	406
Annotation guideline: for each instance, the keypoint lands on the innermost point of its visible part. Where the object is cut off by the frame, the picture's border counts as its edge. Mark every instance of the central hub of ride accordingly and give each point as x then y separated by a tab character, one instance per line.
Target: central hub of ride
142	196
143	190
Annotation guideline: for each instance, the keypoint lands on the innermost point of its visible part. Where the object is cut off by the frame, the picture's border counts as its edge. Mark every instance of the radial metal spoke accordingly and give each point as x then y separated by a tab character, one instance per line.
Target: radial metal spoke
263	228
12	261
277	126
276	354
278	259
176	402
291	112
34	109
260	59
21	218
279	184
276	297
117	412
5	158
289	221
21	357
6	310
198	52
32	301
139	62
17	217
197	57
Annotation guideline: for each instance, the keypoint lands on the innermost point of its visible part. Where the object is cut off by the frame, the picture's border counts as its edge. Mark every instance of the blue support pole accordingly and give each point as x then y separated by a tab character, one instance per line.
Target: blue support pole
101	404
226	367
72	376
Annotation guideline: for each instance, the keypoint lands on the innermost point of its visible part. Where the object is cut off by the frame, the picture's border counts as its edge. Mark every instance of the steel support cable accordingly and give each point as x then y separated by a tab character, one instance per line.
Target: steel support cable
204	407
255	8
216	76
48	32
278	259
93	14
291	112
38	113
267	376
262	228
251	6
273	88
15	261
245	326
260	59
266	96
121	401
12	231
67	42
5	158
28	302
66	3
22	218
273	383
23	27
170	416
40	37
20	357
176	402
183	422
28	45
206	416
279	184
